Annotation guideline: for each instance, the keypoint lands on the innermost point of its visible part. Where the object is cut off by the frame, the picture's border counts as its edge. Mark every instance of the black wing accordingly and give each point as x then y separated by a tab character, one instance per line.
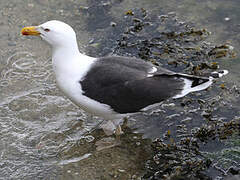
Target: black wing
126	85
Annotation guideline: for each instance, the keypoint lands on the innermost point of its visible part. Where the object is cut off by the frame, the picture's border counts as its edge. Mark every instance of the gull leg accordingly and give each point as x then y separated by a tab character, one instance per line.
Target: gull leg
118	133
125	122
118	130
108	128
110	142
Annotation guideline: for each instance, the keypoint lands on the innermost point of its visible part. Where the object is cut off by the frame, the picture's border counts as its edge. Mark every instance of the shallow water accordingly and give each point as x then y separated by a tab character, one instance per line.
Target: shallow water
43	135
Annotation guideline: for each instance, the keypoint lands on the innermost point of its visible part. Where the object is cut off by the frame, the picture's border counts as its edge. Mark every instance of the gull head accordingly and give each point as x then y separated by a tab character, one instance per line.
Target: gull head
56	33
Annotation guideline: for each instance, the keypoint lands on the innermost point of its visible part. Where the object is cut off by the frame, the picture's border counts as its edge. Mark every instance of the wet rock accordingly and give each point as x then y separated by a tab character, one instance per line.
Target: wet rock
234	170
206	114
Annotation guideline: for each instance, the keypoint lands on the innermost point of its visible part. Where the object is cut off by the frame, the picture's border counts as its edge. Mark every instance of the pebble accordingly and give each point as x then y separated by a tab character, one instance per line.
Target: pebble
113	24
227	19
30	5
138	143
121	170
168	105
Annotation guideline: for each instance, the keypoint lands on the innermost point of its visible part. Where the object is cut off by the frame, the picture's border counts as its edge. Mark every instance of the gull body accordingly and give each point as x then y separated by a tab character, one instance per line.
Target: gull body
110	87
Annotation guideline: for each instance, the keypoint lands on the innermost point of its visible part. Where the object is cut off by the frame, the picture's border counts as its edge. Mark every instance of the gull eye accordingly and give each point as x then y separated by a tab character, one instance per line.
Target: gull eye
46	30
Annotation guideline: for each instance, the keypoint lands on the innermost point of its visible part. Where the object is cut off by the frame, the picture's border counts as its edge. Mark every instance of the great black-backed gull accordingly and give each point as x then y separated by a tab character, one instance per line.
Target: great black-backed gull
111	87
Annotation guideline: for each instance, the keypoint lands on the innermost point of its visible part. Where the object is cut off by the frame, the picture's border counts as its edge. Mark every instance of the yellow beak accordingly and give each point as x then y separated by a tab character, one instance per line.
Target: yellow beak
31	30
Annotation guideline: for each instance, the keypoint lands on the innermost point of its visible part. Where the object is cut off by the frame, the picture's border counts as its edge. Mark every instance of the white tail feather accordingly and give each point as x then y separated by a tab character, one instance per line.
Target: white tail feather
187	88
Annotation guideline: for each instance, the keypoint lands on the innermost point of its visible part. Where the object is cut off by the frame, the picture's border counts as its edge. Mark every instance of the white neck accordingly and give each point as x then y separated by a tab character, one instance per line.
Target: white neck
69	62
68	48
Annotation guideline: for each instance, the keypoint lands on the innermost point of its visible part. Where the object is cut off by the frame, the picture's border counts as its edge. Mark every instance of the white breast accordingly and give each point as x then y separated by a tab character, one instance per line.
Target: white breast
68	75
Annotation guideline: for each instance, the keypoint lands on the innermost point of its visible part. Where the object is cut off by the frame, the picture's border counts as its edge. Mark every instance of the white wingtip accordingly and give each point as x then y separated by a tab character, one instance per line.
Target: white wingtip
188	89
219	74
225	72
